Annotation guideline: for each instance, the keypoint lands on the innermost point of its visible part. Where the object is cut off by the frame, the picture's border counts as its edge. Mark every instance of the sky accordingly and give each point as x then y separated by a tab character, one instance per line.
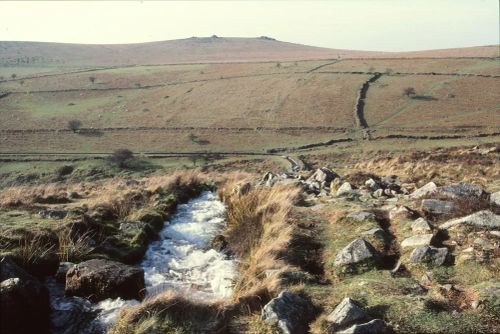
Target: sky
385	25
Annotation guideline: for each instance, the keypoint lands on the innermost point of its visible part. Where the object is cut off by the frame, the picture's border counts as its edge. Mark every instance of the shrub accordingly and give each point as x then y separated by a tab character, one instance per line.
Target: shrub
64	170
92	79
121	157
74	125
409	91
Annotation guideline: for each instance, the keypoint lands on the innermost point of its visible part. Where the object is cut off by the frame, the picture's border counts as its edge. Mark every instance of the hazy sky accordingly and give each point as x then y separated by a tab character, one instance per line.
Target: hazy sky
390	25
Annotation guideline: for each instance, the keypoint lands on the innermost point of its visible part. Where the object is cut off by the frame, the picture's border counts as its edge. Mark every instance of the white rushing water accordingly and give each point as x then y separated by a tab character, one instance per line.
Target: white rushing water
180	259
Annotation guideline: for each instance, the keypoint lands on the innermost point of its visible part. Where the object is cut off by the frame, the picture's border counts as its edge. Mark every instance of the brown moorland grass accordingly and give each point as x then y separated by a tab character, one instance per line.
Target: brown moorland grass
258	231
476	66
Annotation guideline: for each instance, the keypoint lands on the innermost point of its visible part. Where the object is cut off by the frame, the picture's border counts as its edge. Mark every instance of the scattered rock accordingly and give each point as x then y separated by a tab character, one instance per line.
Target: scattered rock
462	190
429	188
219	243
437	207
378	193
430	255
495	198
62	271
421	226
372	184
100	279
417	240
322	174
54	214
361	216
481	219
24	301
357	252
376	326
344	190
289	312
400	212
376	232
346	313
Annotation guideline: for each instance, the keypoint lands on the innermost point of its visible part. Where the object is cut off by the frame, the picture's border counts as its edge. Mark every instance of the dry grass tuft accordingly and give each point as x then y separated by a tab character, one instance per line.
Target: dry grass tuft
74	249
258	231
169	313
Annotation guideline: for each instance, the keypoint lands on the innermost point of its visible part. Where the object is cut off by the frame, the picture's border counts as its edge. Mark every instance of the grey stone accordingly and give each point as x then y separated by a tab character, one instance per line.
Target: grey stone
361	216
289	312
323	174
54	214
462	190
376	326
372	184
24	301
346	313
377	232
429	188
357	251
62	270
378	193
421	226
101	279
430	255
417	240
482	219
345	189
400	212
495	198
437	207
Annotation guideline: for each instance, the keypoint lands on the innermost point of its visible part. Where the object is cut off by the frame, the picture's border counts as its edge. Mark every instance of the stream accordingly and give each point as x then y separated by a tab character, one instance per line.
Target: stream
180	259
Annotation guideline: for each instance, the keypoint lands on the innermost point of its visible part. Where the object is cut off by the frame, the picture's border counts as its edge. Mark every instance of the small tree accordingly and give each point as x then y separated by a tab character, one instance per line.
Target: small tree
121	157
92	79
409	91
74	125
13	76
21	82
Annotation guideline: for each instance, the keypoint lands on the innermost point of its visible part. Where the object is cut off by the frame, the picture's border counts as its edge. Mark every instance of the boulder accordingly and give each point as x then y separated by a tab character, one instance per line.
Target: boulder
482	219
429	255
361	216
376	232
357	252
289	312
345	189
372	184
400	212
429	188
376	326
437	207
73	315
53	214
346	313
269	179
421	226
24	301
62	270
495	198
99	279
378	193
462	190
417	240
321	175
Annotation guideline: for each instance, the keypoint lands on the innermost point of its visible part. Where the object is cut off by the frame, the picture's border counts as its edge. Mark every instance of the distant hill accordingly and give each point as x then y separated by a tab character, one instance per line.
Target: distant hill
194	50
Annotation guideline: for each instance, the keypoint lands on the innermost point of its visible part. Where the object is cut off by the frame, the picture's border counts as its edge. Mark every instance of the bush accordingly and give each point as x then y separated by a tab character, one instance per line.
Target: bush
64	170
74	125
121	157
409	91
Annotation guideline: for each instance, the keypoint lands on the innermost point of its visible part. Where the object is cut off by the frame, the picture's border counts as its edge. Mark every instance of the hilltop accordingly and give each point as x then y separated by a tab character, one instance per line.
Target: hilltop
196	50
